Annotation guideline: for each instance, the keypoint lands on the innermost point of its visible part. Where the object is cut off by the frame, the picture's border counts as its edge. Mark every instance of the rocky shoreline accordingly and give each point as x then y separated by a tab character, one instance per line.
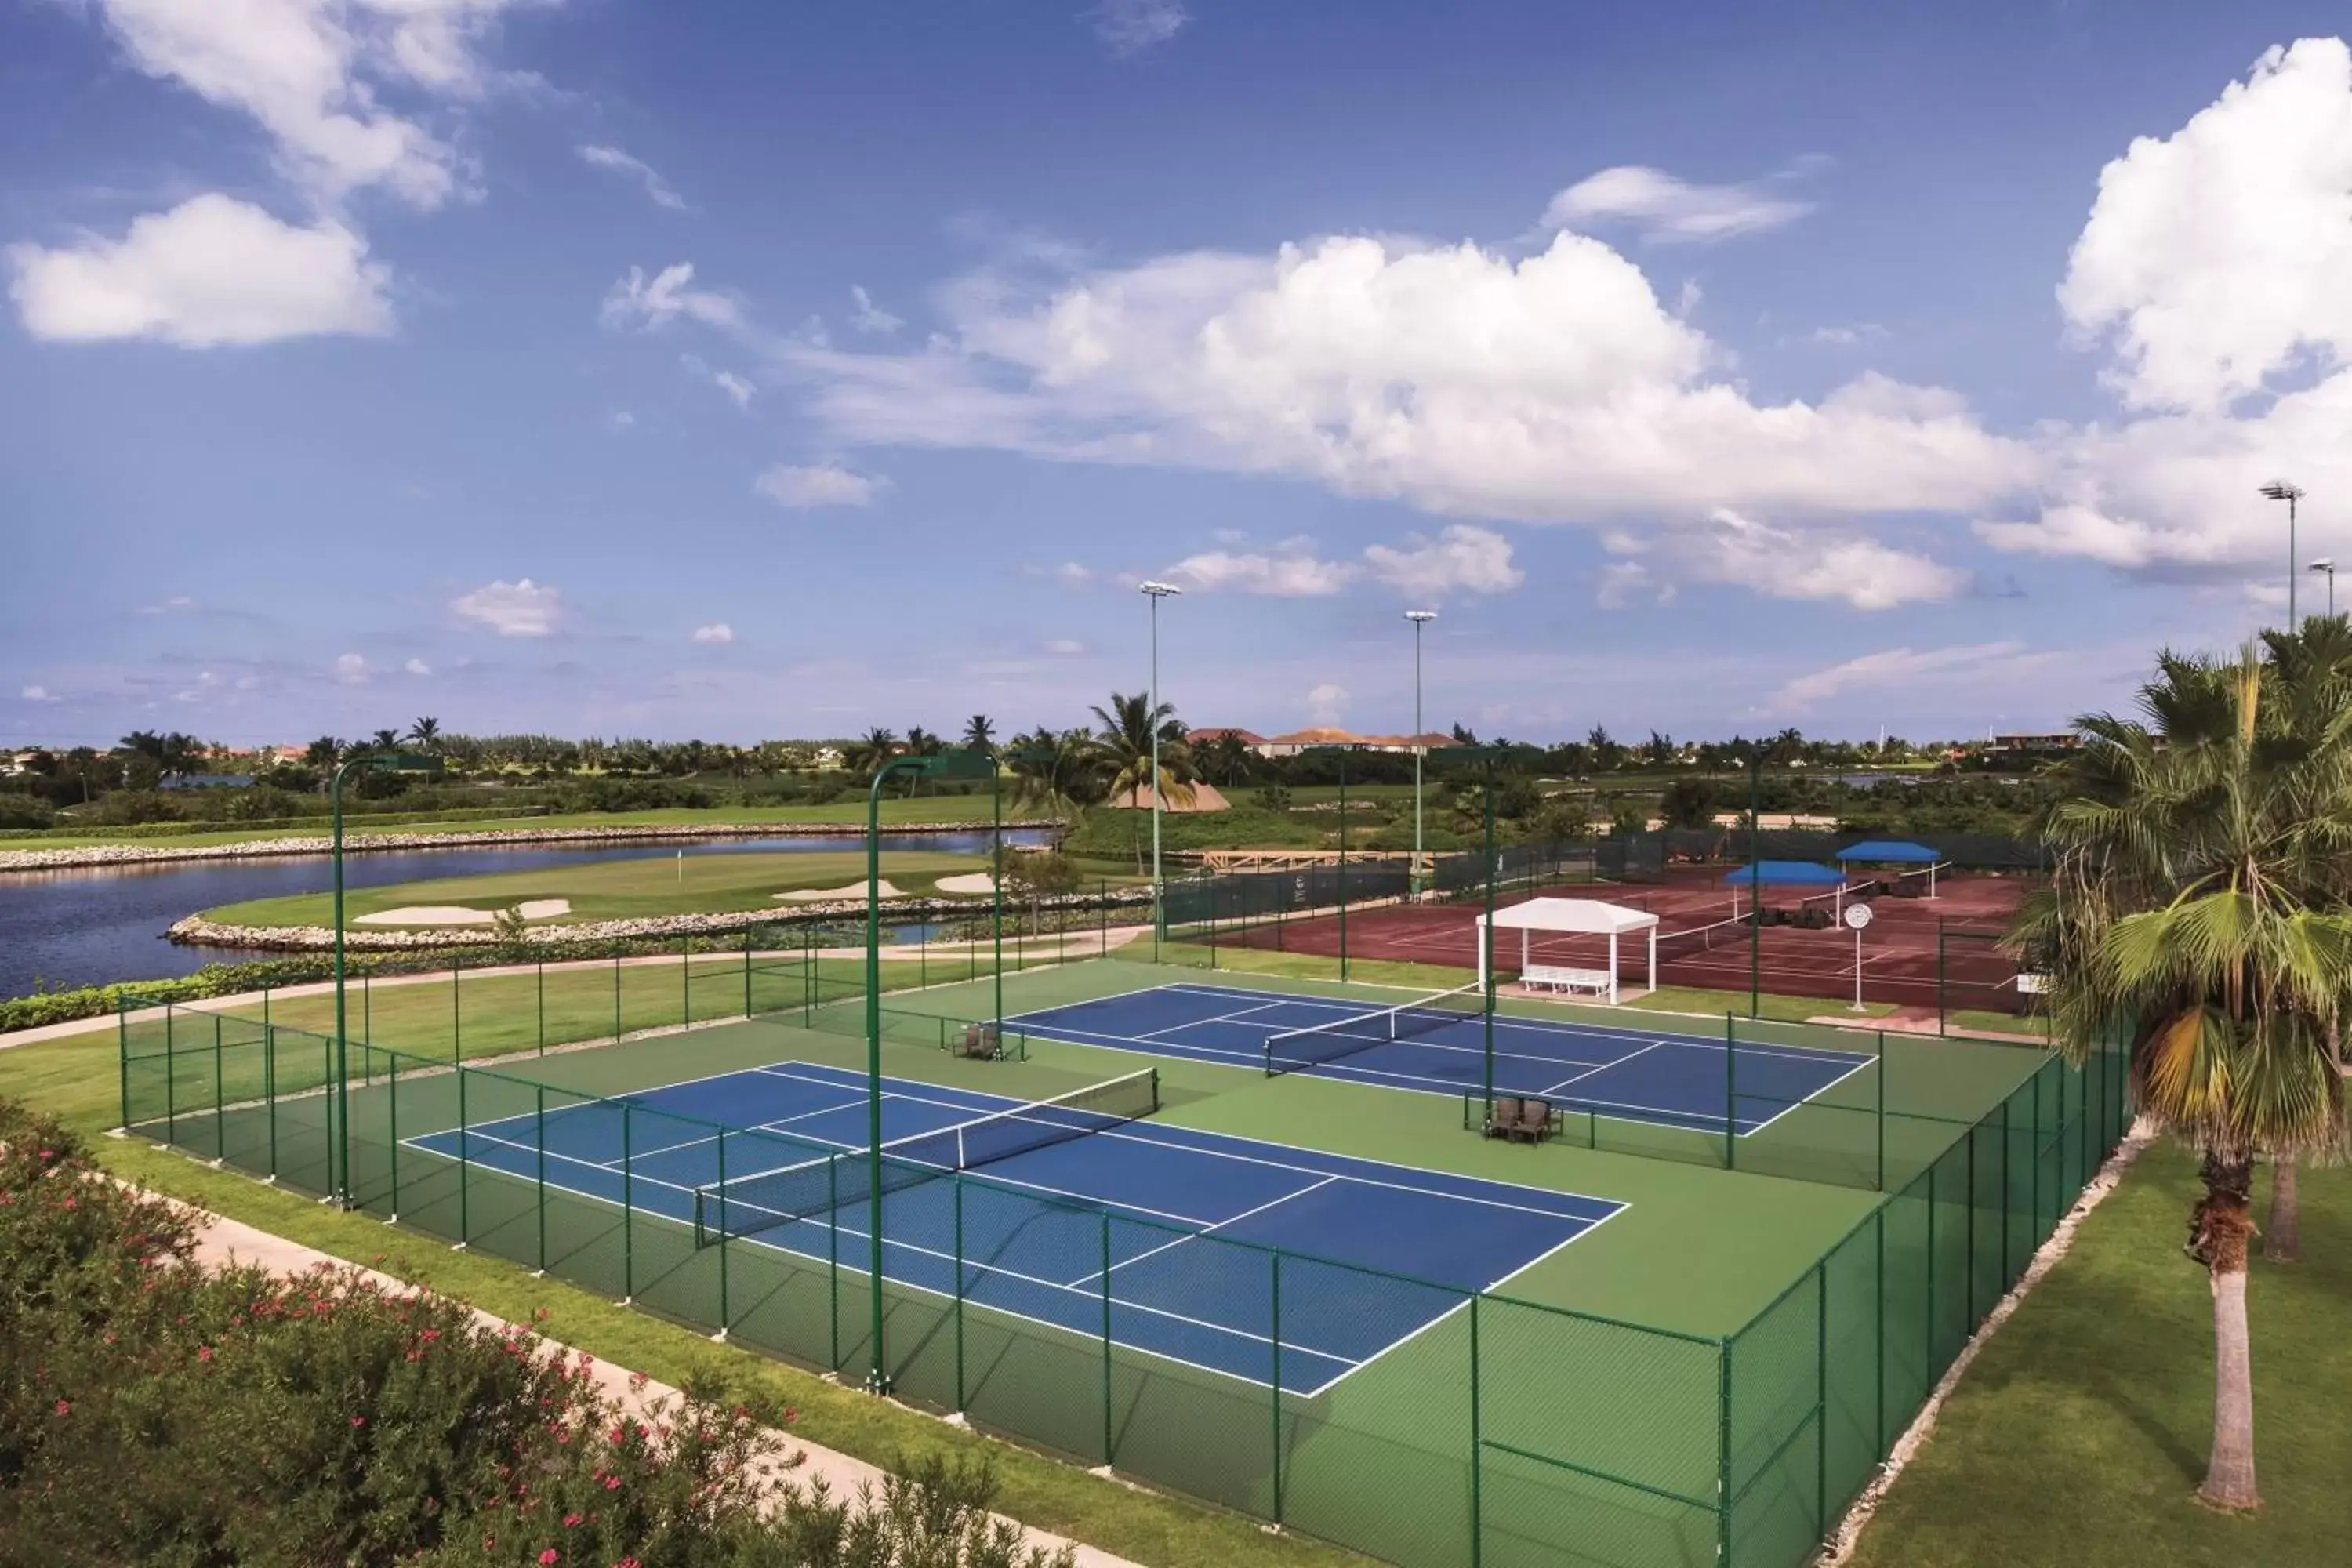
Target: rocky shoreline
365	843
196	930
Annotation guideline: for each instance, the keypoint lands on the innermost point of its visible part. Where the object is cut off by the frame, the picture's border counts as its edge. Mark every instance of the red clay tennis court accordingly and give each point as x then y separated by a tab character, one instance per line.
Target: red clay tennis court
1918	951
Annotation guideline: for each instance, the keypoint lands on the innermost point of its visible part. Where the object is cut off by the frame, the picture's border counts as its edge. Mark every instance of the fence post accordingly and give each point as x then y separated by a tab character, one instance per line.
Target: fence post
1723	1457
628	1213
539	967
1105	1338
1882	1109
392	1092
1821	1400
1878	1339
958	1293
538	1161
1477	1441
122	1058
747	972
832	1258
2005	1189
685	982
1274	1346
1730	1093
1931	1361
367	1004
721	1335
220	1102
2036	1153
457	1010
616	997
1969	1233
269	1092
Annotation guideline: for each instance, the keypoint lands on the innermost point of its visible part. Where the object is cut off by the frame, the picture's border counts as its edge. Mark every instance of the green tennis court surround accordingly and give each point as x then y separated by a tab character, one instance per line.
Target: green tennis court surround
1708	1377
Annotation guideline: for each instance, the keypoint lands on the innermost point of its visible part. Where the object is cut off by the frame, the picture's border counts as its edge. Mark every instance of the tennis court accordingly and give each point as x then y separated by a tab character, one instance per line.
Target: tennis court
1438	1046
1157	1189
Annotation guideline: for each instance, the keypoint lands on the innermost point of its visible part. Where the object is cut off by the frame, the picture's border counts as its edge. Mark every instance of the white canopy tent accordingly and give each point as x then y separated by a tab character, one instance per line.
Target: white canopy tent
1574	916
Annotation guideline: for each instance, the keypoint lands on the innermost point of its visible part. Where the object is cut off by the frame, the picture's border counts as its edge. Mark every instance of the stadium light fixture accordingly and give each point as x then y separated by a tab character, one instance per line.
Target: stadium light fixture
1419	618
374	763
2327	564
2279	489
1156	592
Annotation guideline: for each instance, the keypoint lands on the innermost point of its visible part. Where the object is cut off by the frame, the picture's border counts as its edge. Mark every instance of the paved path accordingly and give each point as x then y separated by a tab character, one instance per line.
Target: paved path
226	1241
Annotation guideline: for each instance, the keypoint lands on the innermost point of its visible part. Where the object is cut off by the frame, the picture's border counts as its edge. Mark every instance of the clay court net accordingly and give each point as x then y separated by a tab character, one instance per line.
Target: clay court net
767	1200
1290	1049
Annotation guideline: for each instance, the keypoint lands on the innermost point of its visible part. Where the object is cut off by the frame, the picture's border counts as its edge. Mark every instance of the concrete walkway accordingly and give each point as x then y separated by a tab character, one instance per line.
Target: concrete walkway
225	1241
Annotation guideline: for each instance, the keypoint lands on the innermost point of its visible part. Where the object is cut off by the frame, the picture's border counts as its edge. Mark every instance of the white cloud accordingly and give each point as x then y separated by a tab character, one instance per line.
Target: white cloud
1071	575
717	632
1462	558
822	484
869	317
38	694
735	386
1989	665
307	71
418	666
1781	564
520	609
352	669
1066	647
1130	27
1671	210
1290	572
2222	255
176	604
1550	388
1846	337
1323	703
212	270
620	163
648	303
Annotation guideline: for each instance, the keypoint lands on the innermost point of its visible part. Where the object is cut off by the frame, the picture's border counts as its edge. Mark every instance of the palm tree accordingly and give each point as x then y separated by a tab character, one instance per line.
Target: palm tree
1122	738
2198	905
1228	758
1058	771
384	741
426	735
866	755
979	734
324	752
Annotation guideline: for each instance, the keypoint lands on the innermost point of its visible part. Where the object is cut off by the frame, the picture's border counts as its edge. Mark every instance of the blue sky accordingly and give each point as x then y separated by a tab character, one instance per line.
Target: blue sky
602	367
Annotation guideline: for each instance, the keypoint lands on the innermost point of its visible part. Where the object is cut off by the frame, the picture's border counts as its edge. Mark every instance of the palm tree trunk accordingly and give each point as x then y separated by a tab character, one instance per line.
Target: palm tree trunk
2283	1236
2220	1230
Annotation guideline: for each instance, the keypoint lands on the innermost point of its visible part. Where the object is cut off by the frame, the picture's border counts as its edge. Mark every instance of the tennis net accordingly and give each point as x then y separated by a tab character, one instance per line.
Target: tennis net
1704	938
766	1200
1286	1050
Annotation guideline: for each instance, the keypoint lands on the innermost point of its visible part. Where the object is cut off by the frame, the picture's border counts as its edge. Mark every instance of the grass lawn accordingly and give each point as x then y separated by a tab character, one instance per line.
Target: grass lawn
971	808
2080	1434
76	1078
627	889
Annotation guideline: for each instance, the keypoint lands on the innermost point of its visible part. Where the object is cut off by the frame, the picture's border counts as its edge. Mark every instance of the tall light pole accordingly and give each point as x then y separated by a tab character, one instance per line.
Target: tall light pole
1419	618
1156	592
2279	489
2327	564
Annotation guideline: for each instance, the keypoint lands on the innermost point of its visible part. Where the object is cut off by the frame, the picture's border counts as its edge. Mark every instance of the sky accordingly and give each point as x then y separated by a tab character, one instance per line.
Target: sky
607	367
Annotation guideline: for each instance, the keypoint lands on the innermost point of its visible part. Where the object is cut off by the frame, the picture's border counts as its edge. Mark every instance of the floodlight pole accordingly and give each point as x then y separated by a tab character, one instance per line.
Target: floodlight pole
996	830
877	1376
2327	564
1156	592
1487	1012
1419	618
2279	489
342	1152
1755	879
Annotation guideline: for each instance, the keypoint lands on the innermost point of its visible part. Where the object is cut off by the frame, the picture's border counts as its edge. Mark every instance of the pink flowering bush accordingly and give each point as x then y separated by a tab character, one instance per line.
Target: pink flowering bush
153	1411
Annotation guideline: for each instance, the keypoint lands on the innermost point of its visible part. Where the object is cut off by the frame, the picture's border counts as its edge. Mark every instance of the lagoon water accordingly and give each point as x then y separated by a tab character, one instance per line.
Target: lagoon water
96	924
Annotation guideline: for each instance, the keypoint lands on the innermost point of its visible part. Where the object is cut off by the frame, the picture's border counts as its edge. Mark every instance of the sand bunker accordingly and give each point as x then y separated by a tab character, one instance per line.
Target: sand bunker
855	891
460	915
970	882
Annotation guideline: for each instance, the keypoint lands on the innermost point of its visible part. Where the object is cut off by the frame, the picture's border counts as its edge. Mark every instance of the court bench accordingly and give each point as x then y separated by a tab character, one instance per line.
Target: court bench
1521	1116
1559	977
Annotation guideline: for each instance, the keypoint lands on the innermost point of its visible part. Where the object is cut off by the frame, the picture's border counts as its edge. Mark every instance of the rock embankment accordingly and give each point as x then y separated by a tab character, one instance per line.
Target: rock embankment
198	932
365	843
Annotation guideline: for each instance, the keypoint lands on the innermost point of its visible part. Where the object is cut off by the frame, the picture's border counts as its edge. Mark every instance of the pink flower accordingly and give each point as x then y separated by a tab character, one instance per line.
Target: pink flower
65	1406
612	1483
203	1353
549	1558
359	1420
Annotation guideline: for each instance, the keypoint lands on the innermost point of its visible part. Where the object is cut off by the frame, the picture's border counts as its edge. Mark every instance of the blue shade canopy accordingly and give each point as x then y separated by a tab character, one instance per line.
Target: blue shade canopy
1789	873
1890	852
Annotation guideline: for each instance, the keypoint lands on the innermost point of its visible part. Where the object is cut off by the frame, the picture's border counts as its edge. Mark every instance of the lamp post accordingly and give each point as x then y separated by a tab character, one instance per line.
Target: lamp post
1419	618
371	761
2279	489
1156	592
959	764
2327	564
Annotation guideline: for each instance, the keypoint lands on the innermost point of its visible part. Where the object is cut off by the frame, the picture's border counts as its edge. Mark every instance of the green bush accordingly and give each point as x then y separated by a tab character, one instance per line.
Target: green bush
153	1412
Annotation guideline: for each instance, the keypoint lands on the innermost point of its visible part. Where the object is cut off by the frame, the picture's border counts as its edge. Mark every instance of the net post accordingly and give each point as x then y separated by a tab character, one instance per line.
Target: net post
538	1163
465	1227
723	1228
958	1293
1274	1402
392	1093
628	1211
1106	1341
1730	1093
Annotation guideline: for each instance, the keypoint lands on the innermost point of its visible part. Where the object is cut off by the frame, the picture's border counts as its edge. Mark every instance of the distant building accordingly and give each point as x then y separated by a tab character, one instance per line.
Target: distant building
2052	741
1298	741
1248	738
21	763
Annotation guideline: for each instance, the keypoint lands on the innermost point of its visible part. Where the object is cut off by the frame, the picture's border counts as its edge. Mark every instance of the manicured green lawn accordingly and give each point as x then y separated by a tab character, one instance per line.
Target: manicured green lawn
2080	1434
941	808
632	888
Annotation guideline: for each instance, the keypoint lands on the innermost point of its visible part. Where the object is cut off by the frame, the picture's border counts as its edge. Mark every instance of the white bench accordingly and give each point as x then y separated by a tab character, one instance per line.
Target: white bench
1556	977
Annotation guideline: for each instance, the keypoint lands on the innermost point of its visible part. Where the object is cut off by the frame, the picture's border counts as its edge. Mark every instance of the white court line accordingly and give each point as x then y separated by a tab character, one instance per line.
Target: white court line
1810	1098
1220	1018
1207	1230
1604	1067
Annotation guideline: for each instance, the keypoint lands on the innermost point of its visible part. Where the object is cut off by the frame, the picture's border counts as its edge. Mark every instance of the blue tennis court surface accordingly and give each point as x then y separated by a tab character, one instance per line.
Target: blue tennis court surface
1636	1074
1150	1192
